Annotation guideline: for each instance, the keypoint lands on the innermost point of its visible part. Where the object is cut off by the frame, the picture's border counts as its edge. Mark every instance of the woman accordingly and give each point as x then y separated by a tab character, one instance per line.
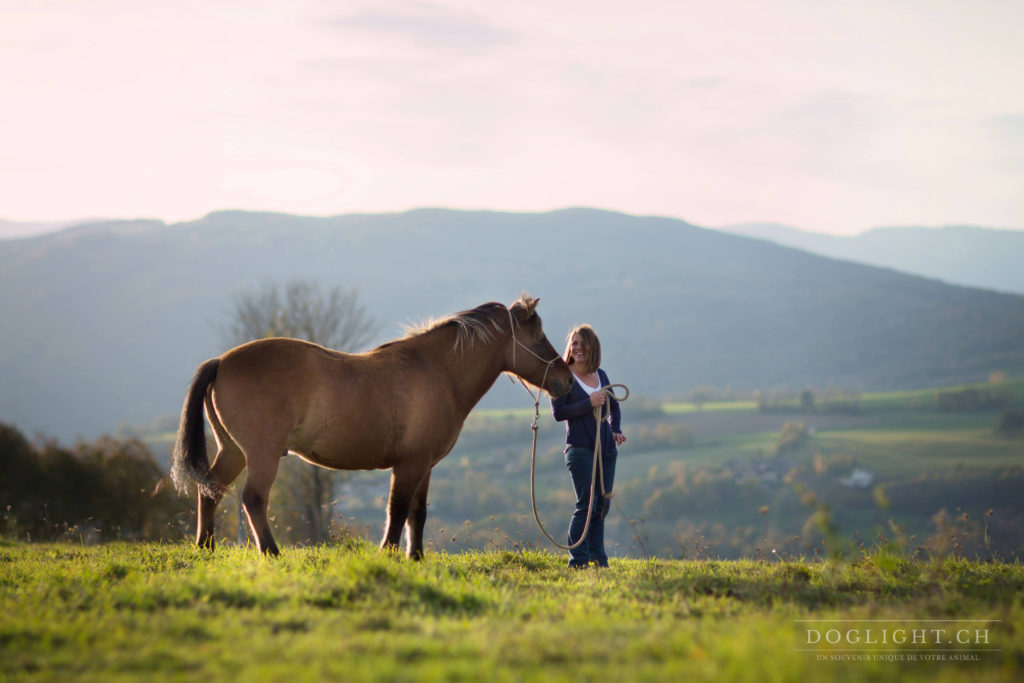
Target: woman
583	356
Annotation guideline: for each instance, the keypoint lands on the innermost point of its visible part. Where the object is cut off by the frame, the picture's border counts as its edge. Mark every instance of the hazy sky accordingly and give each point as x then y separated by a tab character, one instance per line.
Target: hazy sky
830	116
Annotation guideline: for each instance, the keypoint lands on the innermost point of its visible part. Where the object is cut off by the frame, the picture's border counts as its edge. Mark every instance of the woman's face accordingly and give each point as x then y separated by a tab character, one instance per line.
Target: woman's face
578	349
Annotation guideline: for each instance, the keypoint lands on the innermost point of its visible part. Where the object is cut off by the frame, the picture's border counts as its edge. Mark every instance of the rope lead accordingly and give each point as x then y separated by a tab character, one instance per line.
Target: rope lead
596	472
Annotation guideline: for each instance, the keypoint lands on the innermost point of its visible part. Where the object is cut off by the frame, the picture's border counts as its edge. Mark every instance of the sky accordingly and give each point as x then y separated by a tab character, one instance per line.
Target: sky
835	117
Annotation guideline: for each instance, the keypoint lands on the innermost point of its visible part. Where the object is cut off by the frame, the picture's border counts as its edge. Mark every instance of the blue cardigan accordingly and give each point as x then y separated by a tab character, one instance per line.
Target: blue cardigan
574	408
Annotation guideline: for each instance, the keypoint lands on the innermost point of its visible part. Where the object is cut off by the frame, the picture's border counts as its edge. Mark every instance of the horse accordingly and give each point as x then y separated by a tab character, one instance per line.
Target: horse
400	406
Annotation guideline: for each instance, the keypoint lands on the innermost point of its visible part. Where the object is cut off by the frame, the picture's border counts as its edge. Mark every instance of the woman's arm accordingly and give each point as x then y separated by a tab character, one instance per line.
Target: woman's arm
563	409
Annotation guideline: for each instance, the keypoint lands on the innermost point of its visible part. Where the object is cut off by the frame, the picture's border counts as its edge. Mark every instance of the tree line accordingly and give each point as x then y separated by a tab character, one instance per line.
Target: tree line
92	491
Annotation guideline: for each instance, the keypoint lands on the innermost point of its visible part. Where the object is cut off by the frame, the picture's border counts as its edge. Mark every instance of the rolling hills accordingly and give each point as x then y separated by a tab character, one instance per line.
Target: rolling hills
104	323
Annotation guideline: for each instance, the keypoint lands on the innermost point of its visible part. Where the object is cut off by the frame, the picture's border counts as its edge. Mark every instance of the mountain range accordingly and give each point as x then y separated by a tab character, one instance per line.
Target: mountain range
103	324
959	254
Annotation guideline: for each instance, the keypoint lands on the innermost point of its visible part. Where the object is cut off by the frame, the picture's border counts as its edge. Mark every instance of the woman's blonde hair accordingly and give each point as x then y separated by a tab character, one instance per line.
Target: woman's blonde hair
592	344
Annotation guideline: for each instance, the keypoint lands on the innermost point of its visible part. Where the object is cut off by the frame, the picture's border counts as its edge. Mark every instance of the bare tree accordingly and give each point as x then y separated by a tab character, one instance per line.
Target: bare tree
334	319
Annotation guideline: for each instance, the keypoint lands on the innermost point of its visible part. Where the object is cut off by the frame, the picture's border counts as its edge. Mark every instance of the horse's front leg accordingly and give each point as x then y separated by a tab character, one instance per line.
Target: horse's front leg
417	520
405	482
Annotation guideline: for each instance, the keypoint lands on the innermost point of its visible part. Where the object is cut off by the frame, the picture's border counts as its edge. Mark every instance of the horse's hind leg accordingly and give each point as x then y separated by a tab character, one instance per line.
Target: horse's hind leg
226	467
256	497
417	520
405	481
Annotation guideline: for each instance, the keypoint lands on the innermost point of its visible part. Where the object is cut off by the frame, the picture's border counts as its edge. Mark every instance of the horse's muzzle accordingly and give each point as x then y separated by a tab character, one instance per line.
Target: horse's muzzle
559	388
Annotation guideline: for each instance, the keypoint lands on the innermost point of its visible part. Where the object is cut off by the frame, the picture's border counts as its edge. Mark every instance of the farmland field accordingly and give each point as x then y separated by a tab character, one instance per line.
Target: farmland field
714	475
348	612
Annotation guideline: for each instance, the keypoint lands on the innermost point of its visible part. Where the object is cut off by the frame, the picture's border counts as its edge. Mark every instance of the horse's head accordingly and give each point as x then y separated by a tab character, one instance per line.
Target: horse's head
530	355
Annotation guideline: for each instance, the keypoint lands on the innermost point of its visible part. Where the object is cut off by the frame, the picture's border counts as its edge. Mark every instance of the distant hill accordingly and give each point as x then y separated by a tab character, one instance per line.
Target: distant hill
964	255
23	229
104	324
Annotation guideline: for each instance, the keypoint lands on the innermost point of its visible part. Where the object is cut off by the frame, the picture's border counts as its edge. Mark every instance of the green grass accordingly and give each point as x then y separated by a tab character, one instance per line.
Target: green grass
916	398
912	400
909	452
171	612
681	407
512	413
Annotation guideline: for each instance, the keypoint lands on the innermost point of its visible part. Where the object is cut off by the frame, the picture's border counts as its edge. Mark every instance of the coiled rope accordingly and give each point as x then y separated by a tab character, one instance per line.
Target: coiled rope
597	470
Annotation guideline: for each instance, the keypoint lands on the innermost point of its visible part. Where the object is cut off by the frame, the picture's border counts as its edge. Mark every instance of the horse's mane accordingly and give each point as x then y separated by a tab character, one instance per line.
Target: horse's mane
479	324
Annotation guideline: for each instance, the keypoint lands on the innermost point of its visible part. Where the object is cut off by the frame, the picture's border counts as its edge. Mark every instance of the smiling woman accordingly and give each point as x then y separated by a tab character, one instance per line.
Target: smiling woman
587	440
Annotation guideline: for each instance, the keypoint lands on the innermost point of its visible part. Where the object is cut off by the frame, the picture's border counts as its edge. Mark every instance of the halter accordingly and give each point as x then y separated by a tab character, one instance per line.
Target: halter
543	381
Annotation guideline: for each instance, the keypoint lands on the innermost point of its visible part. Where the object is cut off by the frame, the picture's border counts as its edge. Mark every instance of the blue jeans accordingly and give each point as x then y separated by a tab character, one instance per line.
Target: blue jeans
580	462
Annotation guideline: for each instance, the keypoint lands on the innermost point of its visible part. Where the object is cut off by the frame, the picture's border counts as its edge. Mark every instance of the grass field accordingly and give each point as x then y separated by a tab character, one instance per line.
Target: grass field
349	612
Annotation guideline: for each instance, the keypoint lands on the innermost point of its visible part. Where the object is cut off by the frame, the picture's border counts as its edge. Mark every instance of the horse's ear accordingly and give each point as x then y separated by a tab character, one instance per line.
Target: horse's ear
525	307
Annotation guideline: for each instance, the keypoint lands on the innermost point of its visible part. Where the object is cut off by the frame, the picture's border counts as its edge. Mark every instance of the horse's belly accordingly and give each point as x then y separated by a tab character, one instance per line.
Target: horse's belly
367	444
343	458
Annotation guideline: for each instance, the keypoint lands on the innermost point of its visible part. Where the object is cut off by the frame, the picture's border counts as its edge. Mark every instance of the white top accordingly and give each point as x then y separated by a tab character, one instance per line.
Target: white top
586	387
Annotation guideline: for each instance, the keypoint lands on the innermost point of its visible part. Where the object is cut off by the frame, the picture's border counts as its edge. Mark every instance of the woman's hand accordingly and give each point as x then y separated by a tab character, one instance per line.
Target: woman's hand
597	398
619	437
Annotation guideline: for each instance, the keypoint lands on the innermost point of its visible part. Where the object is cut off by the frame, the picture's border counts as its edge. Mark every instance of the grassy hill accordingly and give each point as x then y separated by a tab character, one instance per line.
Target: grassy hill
171	612
879	585
104	324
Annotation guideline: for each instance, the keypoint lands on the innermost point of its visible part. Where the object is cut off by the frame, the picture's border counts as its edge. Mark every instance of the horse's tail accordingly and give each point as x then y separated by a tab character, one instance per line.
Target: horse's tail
189	461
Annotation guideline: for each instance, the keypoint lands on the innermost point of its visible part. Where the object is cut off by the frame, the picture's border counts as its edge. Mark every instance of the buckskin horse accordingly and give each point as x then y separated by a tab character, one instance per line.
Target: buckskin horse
400	406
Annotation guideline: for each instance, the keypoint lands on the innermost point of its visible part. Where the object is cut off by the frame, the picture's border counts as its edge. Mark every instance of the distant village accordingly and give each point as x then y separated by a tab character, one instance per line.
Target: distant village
770	472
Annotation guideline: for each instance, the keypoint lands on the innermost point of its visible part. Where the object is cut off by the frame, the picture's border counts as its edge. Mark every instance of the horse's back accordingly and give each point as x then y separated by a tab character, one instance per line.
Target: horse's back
343	411
276	350
278	381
